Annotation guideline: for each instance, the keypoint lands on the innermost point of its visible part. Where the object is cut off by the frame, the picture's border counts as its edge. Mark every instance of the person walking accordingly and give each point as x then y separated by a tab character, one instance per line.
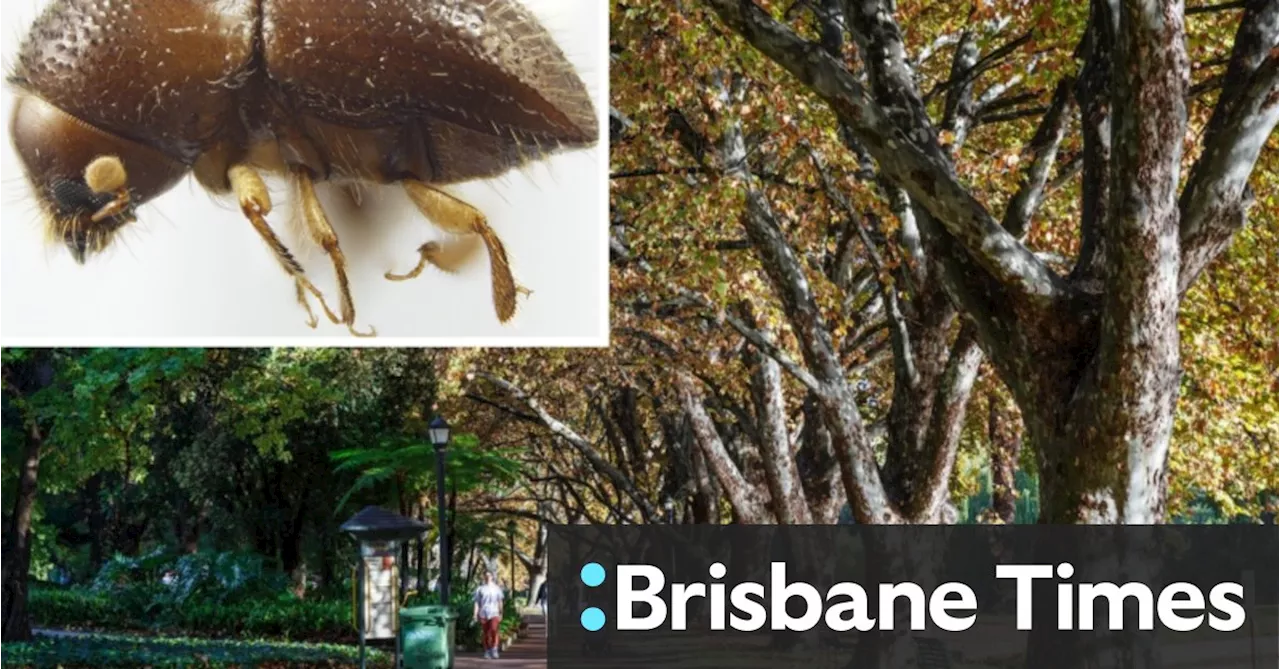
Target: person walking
542	600
488	612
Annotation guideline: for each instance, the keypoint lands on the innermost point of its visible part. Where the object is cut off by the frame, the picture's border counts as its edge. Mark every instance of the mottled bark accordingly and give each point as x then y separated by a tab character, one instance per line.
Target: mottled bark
785	489
1092	93
1216	200
816	464
1004	434
1091	359
928	369
859	471
946	422
706	496
1138	367
538	566
912	159
743	497
1043	150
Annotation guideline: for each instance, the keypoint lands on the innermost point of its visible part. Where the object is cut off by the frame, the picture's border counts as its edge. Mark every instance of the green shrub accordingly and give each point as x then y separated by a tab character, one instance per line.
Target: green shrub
135	608
218	594
223	577
121	571
72	608
118	651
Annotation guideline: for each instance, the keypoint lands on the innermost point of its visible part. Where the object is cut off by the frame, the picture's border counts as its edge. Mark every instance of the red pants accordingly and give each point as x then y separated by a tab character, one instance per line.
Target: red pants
490	628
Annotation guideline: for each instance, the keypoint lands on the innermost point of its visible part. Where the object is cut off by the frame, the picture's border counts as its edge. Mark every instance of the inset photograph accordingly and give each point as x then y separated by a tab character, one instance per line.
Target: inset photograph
316	173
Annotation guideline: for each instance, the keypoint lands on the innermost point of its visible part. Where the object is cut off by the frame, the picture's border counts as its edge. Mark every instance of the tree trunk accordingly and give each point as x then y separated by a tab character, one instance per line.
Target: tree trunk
538	566
17	625
191	533
706	496
1005	436
291	541
328	567
97	521
743	497
786	491
27	378
817	466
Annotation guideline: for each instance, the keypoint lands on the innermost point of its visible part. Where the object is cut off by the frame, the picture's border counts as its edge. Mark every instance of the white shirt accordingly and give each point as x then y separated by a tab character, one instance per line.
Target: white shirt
489	597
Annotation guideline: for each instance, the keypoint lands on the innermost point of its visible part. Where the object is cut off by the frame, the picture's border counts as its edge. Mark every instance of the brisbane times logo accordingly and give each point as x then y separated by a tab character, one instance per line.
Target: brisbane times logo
644	601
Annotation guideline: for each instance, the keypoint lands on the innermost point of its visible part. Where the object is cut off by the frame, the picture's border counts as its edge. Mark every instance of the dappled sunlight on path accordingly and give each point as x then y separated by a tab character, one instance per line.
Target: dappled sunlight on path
529	652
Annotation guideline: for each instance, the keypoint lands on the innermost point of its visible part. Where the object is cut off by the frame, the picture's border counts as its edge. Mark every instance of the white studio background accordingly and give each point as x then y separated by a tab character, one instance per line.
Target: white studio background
192	268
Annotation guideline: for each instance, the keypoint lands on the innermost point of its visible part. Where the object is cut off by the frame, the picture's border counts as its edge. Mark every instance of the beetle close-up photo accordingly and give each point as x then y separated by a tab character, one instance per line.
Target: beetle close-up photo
413	169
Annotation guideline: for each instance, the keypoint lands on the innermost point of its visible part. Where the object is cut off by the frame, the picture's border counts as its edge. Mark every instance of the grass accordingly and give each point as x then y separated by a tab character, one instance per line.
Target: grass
108	650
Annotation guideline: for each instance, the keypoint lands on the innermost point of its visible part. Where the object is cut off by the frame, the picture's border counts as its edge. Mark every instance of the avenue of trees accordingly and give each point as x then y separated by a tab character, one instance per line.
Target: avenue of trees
859	236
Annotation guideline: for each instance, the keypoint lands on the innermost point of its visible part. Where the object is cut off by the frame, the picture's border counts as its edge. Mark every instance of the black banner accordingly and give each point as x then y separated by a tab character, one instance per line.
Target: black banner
920	596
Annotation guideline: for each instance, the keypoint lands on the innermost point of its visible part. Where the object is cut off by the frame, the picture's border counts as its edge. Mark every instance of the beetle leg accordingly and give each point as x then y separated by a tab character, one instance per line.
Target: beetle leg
450	255
459	218
255	202
112	208
323	234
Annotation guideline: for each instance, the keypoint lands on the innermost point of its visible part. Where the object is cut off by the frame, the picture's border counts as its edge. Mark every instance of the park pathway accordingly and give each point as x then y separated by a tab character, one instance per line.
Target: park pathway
528	652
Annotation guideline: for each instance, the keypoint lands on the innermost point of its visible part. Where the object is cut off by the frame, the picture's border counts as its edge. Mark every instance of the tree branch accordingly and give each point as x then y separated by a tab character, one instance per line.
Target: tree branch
947	422
1205	9
760	341
898	330
915	162
598	462
1044	151
1216	199
743	496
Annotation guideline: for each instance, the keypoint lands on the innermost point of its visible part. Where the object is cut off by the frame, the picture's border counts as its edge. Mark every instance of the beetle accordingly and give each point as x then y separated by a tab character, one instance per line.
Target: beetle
120	100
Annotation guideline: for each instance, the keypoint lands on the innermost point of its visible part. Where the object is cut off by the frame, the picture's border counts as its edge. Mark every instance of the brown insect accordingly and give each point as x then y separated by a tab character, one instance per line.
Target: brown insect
120	99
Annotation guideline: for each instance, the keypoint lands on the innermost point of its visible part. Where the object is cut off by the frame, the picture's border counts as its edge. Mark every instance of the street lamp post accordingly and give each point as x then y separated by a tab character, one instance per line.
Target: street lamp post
438	430
511	536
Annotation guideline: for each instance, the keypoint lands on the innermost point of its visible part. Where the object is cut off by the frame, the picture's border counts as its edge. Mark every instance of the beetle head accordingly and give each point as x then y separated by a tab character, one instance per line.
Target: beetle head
89	182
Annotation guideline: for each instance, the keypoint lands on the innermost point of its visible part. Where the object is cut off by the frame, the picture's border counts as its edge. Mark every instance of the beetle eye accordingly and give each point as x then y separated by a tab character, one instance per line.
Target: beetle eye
74	197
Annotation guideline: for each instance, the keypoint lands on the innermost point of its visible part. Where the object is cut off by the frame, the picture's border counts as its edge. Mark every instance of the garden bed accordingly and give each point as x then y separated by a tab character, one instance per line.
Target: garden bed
111	650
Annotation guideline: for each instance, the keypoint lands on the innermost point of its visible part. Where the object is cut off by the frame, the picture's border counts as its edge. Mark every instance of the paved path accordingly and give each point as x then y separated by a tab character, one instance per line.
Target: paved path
529	652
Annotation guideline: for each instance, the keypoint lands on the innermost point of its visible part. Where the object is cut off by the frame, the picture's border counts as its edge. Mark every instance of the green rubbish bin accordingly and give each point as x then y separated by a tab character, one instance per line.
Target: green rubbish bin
427	637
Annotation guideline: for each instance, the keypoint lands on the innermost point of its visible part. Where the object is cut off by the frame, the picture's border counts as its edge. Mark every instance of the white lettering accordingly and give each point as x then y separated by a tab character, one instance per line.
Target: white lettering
629	596
1168	606
857	605
781	592
1023	574
940	607
1233	609
1115	596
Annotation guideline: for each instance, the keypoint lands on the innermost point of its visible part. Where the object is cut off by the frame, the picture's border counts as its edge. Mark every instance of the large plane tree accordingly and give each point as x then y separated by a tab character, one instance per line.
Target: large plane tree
1154	135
